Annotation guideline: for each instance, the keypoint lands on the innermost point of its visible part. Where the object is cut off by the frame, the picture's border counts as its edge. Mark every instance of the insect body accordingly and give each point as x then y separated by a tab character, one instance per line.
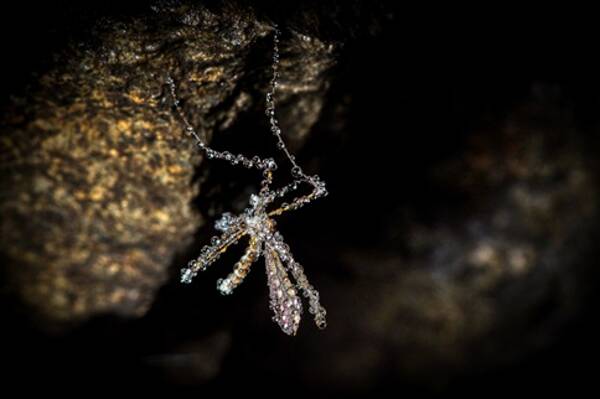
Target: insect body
257	223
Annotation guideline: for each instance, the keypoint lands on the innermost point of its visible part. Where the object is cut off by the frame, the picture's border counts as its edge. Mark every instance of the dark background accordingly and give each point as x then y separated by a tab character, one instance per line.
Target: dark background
420	82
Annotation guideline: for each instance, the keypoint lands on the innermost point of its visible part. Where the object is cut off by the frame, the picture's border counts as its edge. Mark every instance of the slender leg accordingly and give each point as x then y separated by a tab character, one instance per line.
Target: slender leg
210	254
315	307
234	159
242	267
318	191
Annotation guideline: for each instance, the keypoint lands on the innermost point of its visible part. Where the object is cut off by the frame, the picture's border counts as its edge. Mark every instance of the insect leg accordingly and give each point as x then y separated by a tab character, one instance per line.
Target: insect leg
242	267
318	191
211	253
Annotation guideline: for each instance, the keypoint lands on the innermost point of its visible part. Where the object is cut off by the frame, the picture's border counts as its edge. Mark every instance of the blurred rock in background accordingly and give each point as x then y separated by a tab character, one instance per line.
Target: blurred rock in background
456	250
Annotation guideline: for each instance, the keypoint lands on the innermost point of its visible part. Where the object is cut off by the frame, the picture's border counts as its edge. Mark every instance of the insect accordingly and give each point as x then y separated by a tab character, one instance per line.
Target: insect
257	223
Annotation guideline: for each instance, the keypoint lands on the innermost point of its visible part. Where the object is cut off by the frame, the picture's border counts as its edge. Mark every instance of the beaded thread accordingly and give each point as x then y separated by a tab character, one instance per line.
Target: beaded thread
256	221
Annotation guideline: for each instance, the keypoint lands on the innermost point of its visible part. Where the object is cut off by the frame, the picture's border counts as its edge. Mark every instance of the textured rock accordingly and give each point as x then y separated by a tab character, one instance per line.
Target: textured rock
459	237
97	176
495	275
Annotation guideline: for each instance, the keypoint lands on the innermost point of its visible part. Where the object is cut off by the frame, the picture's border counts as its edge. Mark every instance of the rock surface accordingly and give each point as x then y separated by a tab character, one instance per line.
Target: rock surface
97	175
490	278
459	237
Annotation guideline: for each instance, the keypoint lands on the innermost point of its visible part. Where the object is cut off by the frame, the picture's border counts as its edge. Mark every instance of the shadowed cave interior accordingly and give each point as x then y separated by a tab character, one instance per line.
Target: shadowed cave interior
455	254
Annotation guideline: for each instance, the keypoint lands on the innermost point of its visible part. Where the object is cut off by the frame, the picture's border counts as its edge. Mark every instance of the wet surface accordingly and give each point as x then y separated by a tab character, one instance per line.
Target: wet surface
455	253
